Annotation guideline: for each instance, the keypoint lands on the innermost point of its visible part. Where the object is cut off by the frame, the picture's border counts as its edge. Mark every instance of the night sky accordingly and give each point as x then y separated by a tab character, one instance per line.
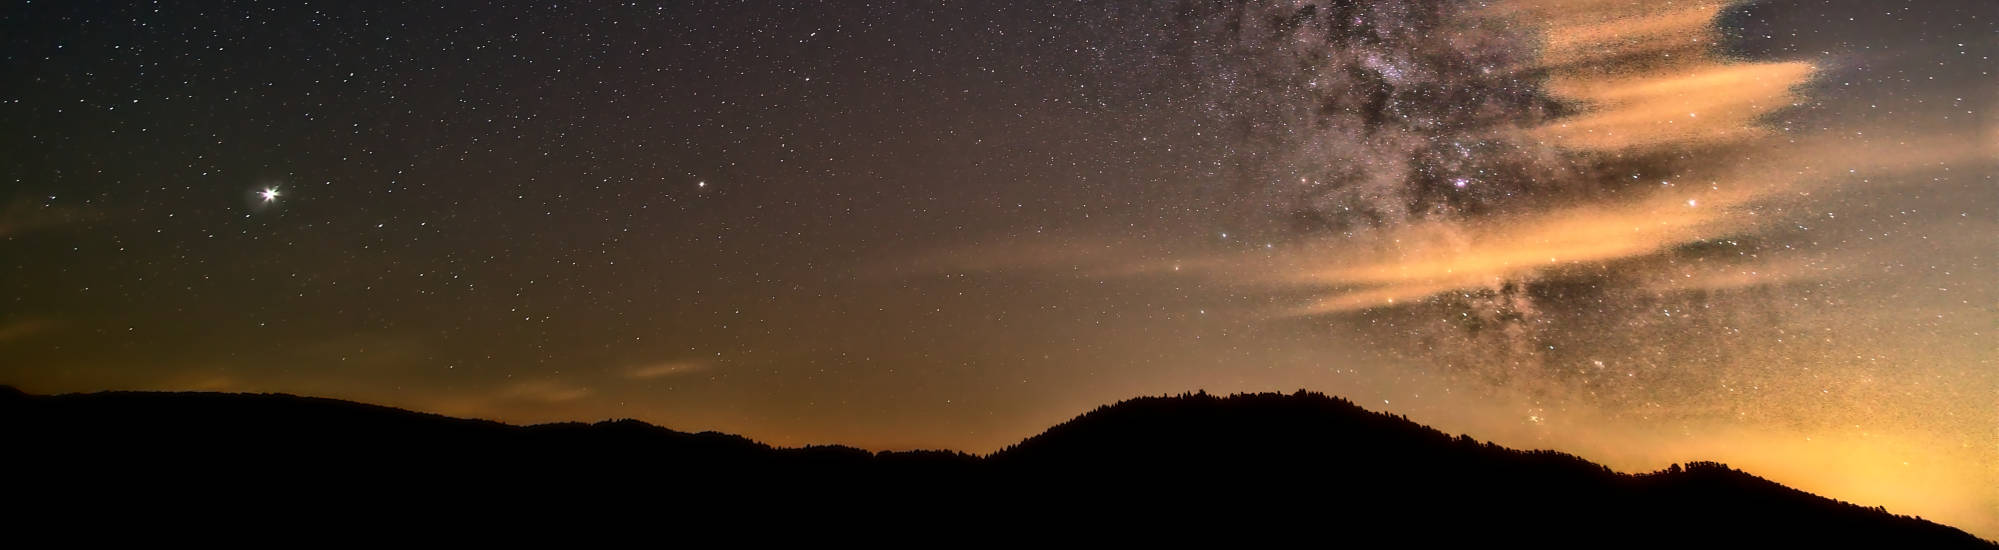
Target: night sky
1764	233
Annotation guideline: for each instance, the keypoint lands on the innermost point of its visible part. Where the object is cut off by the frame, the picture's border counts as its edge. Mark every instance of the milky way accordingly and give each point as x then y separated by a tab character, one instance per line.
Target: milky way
1444	156
1344	117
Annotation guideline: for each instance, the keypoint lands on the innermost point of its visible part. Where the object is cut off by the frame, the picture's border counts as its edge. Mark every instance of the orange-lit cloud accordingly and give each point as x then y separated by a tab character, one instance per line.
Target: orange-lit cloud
22	328
1590	35
1648	74
23	214
1702	104
1434	258
660	370
543	391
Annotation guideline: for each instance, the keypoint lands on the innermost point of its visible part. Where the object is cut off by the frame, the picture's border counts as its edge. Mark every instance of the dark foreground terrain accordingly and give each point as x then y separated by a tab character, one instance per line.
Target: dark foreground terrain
1267	467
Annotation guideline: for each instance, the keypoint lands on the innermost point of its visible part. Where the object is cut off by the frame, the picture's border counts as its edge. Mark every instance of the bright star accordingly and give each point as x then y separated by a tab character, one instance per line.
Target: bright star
270	194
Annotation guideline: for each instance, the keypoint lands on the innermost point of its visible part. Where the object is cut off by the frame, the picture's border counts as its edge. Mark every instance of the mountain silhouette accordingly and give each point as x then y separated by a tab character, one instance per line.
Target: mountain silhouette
1302	467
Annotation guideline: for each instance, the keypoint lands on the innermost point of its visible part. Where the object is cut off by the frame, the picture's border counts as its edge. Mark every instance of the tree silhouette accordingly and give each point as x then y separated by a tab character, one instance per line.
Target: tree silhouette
1302	467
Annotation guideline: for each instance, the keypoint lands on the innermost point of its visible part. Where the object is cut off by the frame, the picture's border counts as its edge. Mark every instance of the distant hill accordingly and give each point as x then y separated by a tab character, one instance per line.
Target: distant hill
1302	467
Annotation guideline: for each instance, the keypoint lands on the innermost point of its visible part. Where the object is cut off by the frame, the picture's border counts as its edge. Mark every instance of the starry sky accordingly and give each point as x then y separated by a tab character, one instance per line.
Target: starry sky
1761	232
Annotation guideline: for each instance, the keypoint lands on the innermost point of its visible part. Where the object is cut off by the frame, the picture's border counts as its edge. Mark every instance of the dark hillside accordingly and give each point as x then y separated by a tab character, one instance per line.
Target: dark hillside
1302	466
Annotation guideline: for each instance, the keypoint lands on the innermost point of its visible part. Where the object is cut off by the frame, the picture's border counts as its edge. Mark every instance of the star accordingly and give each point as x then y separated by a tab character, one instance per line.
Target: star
270	194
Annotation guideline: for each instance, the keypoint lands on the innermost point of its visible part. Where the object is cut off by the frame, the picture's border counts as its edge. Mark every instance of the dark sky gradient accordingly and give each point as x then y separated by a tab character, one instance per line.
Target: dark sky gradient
928	224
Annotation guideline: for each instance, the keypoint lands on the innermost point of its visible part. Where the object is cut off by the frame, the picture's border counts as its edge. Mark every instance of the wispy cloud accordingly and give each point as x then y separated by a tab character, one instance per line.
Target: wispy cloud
22	214
1433	258
19	329
665	369
541	391
1651	74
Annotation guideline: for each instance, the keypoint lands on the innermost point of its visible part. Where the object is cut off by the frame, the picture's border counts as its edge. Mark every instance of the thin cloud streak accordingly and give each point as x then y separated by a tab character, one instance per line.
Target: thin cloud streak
662	370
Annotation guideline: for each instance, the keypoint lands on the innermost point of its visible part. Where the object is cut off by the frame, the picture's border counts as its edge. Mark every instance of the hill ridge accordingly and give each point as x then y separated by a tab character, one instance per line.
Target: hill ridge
1144	457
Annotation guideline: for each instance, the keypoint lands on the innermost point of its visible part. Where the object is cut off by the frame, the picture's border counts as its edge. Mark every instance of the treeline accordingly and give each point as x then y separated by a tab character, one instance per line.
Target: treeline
1303	467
